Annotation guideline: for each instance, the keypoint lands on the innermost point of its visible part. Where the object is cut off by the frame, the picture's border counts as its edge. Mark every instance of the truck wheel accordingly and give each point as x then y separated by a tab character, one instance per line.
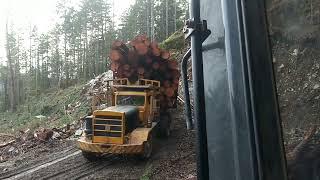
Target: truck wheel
147	149
90	156
164	126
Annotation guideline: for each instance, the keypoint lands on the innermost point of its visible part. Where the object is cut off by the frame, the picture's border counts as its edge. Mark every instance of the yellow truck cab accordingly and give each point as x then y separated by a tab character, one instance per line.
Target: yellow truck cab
127	126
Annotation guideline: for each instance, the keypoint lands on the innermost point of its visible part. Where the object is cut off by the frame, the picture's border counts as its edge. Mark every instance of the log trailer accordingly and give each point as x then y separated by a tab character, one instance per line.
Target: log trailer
128	126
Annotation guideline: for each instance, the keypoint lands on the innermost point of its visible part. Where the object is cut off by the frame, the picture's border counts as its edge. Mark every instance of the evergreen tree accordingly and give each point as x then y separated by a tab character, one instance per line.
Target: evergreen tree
77	48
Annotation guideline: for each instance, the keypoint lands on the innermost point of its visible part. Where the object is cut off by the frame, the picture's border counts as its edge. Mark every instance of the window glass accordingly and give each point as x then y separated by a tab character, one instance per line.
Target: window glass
130	100
294	34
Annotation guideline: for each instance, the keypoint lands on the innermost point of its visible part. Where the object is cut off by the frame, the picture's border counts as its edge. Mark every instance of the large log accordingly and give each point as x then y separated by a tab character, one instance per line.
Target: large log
132	56
155	65
141	48
165	55
169	92
147	42
173	64
114	66
166	83
115	55
155	48
126	67
121	47
149	60
140	70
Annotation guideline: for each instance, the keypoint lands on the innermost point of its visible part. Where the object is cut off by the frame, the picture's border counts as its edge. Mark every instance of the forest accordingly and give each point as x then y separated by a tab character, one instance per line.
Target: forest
77	48
49	83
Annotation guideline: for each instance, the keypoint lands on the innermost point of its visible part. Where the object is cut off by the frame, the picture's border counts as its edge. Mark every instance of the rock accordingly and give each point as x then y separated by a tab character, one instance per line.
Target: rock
43	134
26	131
274	60
78	132
56	135
78	104
295	52
281	66
40	117
303	51
11	149
191	177
316	86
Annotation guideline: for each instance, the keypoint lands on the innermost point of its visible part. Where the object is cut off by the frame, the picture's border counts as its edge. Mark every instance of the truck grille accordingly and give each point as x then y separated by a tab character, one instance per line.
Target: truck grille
108	126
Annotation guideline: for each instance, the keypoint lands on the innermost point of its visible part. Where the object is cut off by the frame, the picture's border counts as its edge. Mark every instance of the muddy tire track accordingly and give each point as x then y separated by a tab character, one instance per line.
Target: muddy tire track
73	168
36	163
172	158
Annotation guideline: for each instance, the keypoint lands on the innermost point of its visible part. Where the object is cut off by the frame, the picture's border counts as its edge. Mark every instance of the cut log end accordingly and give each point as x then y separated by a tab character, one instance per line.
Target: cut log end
165	55
115	55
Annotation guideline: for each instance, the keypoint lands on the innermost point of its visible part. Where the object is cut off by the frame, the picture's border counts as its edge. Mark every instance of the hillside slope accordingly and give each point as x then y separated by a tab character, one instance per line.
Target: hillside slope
52	109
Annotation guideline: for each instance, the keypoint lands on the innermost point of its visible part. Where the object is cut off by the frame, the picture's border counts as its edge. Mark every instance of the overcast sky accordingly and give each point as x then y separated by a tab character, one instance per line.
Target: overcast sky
41	13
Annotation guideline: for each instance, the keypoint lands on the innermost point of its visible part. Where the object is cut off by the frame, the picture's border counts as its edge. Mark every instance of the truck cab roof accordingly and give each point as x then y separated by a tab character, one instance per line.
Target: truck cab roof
122	109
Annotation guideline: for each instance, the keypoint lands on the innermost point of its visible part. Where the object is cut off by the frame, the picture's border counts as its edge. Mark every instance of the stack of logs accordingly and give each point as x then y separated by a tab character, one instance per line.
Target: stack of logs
143	59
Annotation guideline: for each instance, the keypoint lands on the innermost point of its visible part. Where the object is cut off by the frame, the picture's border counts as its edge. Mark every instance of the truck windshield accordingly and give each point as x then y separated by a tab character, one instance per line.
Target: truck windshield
130	100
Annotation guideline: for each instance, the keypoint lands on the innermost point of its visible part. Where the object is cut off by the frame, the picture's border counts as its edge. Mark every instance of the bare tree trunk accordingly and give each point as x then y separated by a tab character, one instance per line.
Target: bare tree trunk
113	16
17	72
66	60
311	12
30	48
103	55
74	55
37	71
167	19
148	17
11	76
60	76
86	65
175	15
6	100
80	59
152	20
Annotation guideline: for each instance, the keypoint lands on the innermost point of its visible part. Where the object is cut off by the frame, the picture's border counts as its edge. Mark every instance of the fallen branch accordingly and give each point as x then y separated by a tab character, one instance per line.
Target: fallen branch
8	135
182	101
302	145
7	143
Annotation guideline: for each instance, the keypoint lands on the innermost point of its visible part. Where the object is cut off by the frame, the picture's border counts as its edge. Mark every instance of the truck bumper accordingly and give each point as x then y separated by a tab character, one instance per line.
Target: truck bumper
86	145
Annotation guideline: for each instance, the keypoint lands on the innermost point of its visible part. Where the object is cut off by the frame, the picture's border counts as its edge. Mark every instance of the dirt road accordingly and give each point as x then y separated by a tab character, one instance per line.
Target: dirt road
173	158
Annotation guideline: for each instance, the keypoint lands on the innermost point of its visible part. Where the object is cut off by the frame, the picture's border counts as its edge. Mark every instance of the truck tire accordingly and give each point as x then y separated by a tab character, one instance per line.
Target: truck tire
90	156
164	125
147	149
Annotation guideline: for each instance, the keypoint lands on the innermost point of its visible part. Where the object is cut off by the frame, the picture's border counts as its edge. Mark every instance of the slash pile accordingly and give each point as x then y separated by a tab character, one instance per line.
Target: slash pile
143	59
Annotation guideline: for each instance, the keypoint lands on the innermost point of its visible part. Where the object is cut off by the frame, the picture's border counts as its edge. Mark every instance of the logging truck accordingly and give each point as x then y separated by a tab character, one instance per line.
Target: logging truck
129	124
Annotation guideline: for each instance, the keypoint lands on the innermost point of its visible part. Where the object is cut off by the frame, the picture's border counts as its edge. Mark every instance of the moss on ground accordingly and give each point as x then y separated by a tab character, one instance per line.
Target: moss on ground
174	42
147	172
51	106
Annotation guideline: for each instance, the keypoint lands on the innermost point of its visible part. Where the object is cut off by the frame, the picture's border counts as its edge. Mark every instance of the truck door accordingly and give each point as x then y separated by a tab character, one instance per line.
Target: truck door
236	110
